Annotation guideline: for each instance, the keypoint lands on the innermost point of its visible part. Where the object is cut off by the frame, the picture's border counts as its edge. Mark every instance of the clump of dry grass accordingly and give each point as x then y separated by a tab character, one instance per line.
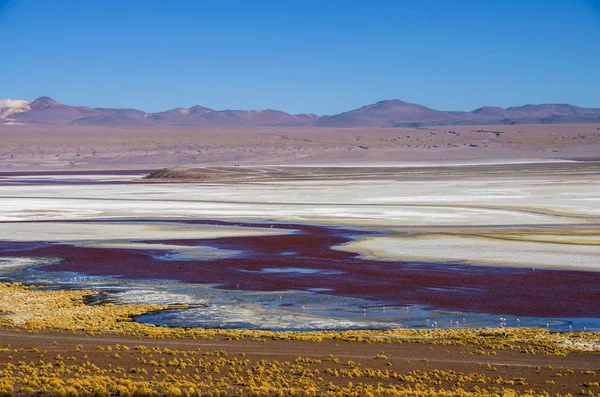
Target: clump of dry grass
192	373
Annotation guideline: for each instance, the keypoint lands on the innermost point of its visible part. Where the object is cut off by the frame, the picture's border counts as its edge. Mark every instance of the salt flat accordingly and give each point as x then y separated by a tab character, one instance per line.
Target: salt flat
534	218
480	251
110	234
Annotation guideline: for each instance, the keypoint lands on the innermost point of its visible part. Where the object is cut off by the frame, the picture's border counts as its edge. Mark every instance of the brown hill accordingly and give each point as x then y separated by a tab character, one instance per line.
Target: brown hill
45	110
389	113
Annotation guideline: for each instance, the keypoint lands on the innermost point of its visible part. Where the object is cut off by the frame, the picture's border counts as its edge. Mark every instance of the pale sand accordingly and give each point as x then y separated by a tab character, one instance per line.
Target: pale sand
76	233
431	163
480	251
173	251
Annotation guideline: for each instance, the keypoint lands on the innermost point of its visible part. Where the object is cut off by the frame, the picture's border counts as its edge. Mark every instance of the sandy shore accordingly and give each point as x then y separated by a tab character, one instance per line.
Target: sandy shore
120	234
562	252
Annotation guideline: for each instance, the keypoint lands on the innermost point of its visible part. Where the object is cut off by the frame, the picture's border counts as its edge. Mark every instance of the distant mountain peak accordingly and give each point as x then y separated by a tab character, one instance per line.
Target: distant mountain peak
389	103
200	109
385	113
392	101
546	106
45	99
43	102
489	110
8	107
12	103
485	108
179	111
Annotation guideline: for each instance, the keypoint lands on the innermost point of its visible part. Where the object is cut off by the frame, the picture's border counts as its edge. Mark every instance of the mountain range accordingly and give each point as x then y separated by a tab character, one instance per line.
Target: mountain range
388	113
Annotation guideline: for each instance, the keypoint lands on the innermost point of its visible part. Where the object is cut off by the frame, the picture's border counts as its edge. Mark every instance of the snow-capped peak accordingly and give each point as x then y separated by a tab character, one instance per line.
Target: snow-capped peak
9	107
13	103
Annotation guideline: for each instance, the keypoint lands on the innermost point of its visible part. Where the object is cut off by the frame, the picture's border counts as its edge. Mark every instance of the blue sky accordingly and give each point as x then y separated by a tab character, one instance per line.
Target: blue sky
322	56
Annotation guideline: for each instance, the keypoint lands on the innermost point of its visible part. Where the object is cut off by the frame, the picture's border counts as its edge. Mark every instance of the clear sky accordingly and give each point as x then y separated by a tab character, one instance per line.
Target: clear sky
322	56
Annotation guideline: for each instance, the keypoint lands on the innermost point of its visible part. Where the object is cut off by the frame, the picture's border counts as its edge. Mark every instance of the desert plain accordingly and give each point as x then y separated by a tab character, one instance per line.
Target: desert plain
51	147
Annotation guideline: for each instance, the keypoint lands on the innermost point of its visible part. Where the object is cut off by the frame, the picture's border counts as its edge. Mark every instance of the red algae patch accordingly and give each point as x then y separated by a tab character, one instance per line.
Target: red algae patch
493	290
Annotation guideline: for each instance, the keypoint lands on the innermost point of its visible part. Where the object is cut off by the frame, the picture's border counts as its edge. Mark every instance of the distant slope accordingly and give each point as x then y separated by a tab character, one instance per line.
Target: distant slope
45	110
395	113
388	113
201	116
115	117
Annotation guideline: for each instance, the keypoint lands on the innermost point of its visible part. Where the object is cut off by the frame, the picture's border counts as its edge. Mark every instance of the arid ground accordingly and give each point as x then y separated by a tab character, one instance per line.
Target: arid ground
30	147
241	366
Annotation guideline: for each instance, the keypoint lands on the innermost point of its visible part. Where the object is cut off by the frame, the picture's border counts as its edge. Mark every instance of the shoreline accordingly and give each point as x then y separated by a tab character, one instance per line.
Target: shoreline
148	360
463	162
33	308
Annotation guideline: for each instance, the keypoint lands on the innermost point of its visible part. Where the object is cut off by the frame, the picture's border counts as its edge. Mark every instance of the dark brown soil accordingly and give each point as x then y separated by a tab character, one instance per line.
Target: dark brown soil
538	371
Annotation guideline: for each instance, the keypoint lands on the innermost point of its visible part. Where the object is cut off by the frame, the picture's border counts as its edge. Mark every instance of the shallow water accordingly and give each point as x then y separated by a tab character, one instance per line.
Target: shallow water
285	297
260	267
294	281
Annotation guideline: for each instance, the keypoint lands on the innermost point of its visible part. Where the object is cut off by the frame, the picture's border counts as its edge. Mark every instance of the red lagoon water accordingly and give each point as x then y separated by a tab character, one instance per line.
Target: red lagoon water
304	260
